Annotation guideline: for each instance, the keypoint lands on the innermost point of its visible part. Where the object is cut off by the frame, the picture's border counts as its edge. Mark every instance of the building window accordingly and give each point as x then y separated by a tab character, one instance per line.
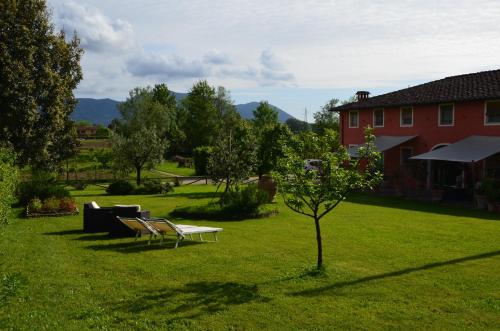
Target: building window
378	118
353	119
446	115
492	112
406	153
407	116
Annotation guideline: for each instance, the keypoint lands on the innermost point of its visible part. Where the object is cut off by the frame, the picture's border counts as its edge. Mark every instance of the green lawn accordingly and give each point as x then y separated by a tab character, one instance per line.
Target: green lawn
391	264
171	167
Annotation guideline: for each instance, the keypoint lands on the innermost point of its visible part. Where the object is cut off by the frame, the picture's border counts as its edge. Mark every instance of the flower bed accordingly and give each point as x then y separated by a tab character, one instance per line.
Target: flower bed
51	207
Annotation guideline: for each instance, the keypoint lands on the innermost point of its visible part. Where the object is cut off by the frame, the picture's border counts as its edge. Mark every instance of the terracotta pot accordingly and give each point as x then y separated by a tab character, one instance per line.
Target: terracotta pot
267	185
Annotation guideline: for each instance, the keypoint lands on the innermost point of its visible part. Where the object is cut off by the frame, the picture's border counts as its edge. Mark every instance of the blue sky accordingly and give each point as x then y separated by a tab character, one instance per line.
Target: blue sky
296	54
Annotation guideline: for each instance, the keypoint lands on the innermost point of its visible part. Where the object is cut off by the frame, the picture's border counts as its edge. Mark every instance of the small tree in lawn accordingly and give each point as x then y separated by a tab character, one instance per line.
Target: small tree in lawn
315	193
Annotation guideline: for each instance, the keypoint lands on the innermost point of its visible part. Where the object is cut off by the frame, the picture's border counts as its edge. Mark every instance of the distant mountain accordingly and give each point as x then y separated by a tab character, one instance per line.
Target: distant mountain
103	111
97	111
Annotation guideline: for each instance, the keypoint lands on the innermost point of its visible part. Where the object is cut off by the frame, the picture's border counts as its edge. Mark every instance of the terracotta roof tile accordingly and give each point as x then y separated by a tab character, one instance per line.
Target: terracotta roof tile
476	86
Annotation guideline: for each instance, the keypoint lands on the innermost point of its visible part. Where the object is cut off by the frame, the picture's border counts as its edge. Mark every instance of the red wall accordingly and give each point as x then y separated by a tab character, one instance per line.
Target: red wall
468	118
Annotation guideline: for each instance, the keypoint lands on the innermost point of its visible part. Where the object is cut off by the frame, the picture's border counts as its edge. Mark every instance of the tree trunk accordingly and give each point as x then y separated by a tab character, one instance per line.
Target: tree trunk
318	240
138	176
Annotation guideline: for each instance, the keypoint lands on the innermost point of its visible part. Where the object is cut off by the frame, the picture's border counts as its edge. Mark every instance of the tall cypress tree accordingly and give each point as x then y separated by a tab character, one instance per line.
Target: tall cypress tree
39	69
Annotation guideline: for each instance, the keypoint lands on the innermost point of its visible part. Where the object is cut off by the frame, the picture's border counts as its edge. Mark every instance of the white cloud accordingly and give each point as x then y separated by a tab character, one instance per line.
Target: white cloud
308	44
98	33
217	58
167	67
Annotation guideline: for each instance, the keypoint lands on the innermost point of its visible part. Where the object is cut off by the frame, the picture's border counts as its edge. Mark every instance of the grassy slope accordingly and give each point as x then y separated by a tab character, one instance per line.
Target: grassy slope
400	265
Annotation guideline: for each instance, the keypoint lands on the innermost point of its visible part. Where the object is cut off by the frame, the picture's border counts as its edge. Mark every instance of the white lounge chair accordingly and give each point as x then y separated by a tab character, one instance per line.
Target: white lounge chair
165	227
140	227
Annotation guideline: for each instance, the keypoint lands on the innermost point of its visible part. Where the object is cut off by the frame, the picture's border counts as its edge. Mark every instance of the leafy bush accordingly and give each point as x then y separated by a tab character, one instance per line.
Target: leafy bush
246	201
154	186
79	185
201	155
492	189
50	205
35	205
121	187
43	186
8	182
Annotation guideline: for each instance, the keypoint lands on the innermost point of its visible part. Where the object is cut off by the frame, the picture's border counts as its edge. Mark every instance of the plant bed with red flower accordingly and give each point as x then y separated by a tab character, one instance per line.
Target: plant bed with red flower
51	207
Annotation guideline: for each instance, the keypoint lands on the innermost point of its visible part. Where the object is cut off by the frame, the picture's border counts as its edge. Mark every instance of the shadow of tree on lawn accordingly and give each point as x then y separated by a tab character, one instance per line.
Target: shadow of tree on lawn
65	232
193	299
141	245
420	206
325	289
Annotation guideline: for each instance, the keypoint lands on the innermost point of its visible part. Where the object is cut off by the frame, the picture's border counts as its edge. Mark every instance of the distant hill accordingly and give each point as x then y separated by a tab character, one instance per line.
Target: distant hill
97	111
103	111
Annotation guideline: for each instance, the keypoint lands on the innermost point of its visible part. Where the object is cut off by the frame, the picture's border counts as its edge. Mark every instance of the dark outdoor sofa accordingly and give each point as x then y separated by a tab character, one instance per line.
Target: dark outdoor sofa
103	219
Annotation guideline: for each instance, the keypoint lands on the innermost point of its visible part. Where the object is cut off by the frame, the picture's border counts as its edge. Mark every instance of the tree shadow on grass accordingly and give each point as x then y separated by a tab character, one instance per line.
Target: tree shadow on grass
195	195
141	245
64	232
192	300
326	289
421	206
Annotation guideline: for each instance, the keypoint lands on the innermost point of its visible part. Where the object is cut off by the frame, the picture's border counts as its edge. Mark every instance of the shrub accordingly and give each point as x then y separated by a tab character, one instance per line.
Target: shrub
35	205
42	186
201	155
79	185
154	186
67	204
246	201
121	187
50	205
492	189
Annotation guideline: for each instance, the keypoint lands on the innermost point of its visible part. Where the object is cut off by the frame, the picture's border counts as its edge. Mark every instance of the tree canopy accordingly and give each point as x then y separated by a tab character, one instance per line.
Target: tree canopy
200	116
265	116
39	69
326	119
233	157
148	117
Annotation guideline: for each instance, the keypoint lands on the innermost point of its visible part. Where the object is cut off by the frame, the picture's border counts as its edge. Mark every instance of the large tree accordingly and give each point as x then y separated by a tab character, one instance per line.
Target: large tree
265	116
140	137
315	193
268	132
39	69
200	116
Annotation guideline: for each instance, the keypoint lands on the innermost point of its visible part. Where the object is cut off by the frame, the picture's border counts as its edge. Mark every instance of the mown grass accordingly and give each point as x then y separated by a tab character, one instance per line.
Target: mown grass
172	168
391	264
